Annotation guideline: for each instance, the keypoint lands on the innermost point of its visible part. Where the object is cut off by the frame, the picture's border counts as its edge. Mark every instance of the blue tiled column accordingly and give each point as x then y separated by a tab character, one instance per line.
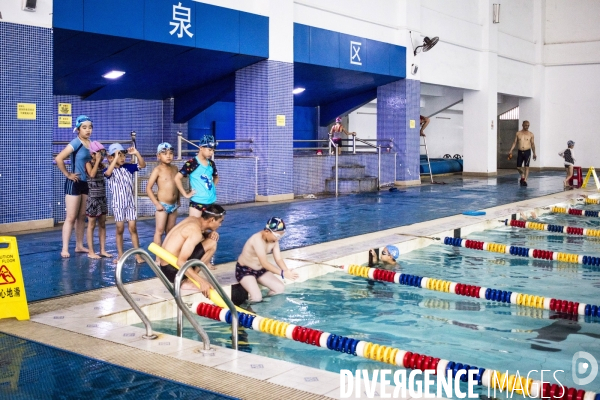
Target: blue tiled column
397	104
26	167
262	92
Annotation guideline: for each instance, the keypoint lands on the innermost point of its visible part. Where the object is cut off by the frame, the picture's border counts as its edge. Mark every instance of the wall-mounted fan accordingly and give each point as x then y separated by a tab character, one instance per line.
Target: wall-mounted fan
427	44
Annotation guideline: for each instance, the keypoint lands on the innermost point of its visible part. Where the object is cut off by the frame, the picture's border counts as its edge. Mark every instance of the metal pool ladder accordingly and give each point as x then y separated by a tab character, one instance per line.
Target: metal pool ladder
175	290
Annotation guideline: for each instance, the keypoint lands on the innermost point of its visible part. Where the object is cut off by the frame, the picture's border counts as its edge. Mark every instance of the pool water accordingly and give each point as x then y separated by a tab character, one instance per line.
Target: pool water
471	331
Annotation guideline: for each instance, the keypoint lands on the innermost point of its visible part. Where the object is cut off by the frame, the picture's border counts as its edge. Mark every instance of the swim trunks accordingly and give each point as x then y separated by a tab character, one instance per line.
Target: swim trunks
523	158
241	271
96	206
198	206
171	271
78	188
169	208
124	214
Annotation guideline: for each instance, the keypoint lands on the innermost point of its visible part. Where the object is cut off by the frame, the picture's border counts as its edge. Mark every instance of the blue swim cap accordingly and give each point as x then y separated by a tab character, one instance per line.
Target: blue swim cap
80	120
208	141
393	250
570	143
275	225
164	146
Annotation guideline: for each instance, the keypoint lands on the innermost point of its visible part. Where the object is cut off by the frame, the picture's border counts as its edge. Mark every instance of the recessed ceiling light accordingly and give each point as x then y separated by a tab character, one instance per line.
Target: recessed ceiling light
113	74
298	90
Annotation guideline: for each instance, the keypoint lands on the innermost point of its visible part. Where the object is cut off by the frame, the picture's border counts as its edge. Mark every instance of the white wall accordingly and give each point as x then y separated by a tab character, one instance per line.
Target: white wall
572	114
445	134
363	121
11	11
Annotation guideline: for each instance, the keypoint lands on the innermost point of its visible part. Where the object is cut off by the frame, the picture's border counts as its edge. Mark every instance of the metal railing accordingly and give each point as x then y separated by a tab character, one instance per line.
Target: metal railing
378	159
219	289
181	140
175	290
335	149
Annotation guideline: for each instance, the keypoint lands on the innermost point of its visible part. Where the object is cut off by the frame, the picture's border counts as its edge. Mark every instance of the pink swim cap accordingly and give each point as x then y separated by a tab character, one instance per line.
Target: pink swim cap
96	147
338	119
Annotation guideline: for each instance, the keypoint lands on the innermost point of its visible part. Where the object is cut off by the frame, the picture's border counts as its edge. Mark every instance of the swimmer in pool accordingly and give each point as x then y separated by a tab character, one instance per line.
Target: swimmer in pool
389	255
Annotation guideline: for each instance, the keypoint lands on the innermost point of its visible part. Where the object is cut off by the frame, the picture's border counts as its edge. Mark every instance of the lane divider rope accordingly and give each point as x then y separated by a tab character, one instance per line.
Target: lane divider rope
394	356
570	230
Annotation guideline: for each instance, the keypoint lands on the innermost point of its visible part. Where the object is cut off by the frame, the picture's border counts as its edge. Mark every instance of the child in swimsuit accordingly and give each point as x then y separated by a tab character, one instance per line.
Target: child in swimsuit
569	157
166	200
96	205
389	255
253	267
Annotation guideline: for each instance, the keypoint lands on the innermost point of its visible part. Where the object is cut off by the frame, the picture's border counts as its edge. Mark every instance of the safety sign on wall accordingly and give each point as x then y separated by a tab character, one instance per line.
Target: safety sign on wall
280	120
13	302
25	110
65	121
64	108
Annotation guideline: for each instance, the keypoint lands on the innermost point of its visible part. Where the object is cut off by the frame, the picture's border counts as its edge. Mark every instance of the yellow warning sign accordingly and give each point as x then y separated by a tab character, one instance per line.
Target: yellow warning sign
281	120
13	302
25	110
65	121
591	171
64	108
413	124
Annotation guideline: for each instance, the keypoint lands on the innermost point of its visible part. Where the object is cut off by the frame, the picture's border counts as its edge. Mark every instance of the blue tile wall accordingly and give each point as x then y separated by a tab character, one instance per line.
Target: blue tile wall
26	168
263	91
397	103
114	120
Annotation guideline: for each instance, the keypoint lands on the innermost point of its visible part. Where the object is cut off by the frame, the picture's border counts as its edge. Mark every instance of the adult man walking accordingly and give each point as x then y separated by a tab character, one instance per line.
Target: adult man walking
526	145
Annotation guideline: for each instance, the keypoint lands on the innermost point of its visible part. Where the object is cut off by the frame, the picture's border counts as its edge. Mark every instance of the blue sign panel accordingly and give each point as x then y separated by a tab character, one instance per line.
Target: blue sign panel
334	49
182	22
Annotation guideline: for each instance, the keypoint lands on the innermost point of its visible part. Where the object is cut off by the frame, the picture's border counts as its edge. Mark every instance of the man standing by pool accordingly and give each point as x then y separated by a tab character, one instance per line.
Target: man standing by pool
526	145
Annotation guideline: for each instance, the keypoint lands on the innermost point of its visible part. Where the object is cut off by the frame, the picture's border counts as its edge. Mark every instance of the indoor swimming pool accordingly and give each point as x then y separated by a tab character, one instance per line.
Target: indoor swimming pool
477	332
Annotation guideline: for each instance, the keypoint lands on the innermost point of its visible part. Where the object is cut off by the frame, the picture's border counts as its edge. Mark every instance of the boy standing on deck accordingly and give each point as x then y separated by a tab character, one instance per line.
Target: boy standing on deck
119	177
167	199
202	172
253	267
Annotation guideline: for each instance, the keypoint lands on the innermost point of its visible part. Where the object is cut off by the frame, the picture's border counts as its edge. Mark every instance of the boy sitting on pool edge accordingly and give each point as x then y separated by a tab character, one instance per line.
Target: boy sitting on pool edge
389	255
253	267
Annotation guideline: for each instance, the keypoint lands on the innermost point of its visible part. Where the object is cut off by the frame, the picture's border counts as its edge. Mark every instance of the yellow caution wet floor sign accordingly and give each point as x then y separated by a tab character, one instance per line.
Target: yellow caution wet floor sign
13	302
591	172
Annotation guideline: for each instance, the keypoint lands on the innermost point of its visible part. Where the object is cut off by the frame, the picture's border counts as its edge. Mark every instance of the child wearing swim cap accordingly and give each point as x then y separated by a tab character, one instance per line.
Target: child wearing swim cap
388	259
253	267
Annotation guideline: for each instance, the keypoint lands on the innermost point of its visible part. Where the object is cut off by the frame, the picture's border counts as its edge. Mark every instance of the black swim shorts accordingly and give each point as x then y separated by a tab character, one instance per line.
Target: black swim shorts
171	271
523	158
241	271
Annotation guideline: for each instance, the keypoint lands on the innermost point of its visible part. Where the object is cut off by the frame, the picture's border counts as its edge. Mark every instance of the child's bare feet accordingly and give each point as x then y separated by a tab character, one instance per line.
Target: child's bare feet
81	250
211	267
65	254
93	255
188	285
139	260
105	254
116	260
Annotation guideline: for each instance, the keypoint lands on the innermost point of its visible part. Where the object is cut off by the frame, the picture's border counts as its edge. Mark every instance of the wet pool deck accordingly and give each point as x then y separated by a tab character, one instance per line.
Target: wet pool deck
320	230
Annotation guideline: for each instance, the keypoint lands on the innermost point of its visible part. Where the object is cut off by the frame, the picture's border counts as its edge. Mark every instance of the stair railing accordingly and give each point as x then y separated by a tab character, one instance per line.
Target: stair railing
335	149
378	147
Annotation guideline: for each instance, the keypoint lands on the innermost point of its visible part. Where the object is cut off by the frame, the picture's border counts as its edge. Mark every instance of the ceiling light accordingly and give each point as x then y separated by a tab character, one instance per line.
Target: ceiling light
113	74
298	90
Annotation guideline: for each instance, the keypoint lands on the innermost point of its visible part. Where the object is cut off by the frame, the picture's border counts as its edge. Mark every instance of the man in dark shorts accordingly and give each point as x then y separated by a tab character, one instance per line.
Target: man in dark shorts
525	139
194	238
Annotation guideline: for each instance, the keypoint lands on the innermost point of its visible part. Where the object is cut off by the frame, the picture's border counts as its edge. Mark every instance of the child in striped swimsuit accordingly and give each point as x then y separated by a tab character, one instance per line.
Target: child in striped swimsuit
119	177
569	160
96	207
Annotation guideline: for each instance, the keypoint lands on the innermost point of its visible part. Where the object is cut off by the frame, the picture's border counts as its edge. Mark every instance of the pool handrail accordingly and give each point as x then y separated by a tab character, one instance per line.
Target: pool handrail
213	281
119	281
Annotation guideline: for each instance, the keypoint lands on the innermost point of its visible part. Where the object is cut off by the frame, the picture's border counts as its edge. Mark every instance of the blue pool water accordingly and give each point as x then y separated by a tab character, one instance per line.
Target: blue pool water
476	332
309	222
30	370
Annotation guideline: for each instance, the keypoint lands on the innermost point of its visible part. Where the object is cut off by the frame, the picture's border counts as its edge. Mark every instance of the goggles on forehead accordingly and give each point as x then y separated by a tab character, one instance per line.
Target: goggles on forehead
277	235
215	214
